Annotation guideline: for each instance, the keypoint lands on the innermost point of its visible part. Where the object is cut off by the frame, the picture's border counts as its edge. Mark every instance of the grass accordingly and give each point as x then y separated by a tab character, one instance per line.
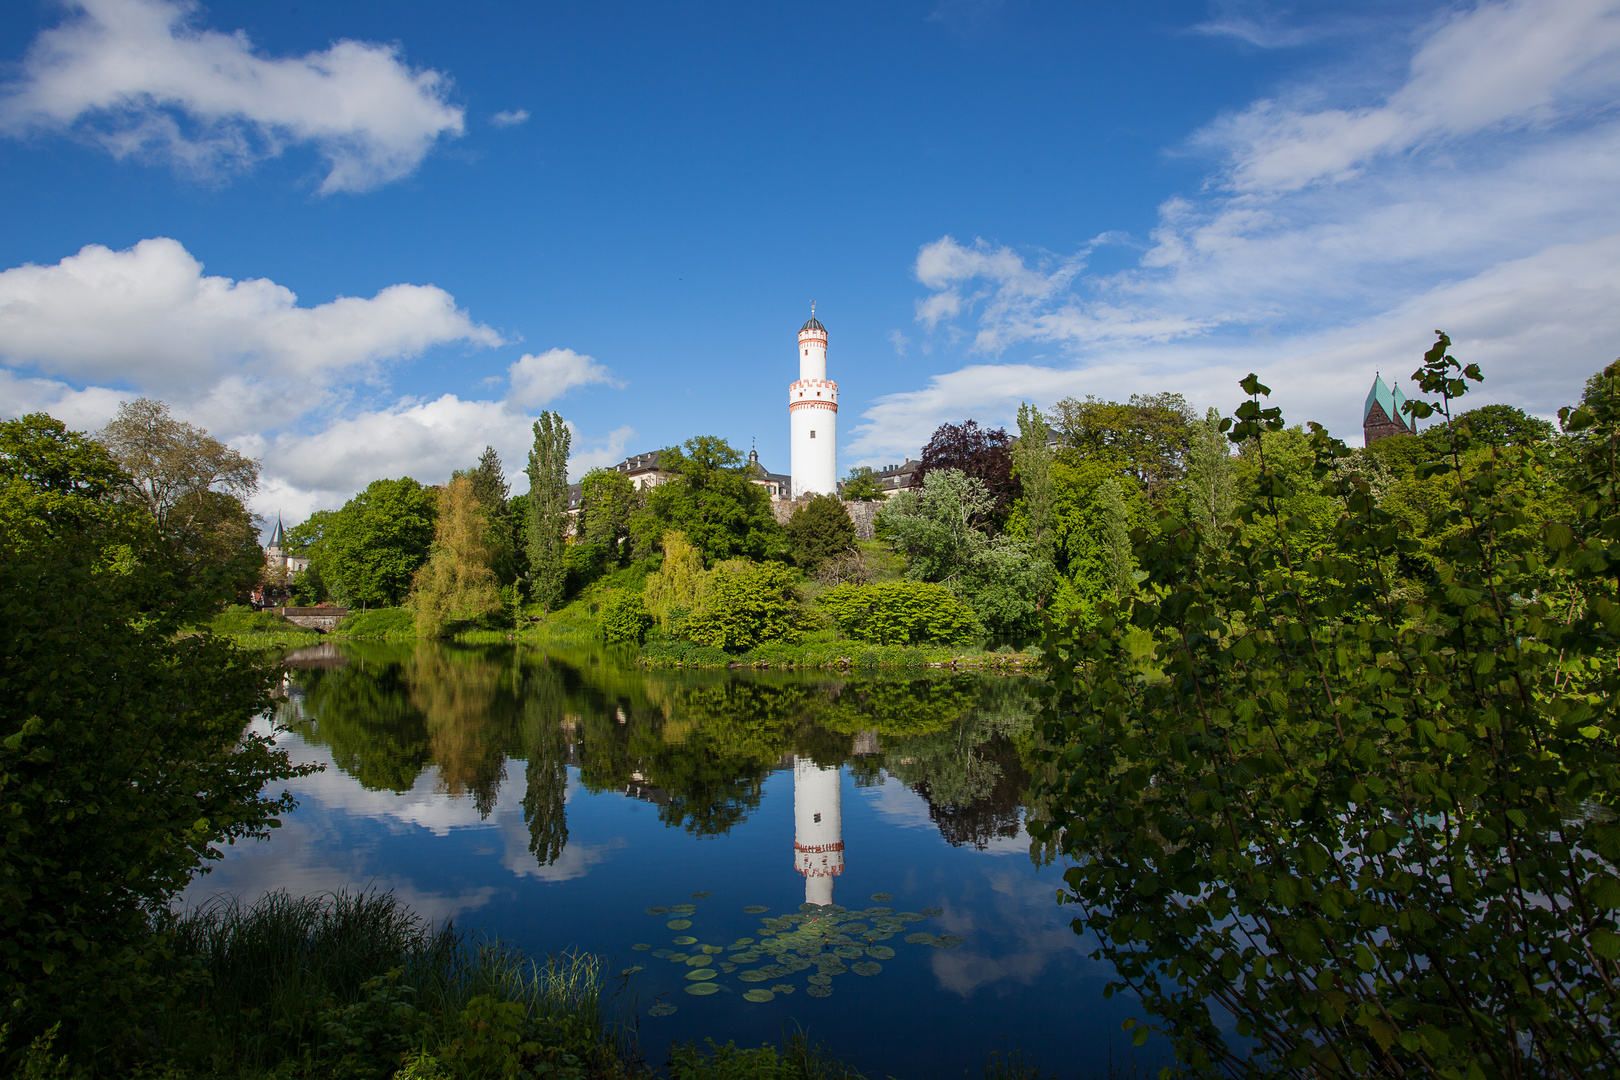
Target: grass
384	624
260	631
838	654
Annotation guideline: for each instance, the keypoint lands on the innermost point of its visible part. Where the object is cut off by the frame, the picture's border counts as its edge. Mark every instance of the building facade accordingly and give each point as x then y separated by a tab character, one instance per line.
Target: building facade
813	417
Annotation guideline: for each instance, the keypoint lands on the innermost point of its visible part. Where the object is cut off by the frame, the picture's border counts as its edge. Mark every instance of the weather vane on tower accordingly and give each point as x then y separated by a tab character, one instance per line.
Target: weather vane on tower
812	309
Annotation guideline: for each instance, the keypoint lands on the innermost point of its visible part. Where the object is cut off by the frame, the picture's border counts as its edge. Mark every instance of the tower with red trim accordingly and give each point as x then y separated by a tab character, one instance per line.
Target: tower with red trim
813	416
818	828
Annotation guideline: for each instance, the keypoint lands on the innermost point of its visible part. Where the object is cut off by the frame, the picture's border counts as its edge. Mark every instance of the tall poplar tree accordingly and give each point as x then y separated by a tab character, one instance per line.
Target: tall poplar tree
548	510
1032	457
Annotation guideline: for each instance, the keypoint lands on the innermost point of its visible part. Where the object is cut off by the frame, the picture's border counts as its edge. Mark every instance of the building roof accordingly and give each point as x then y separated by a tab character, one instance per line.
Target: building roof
1390	400
813	324
278	535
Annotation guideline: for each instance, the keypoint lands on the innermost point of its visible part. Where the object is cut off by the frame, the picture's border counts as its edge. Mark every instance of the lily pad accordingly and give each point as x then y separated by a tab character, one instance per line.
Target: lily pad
713	950
702	988
857	928
880	935
743	941
757	995
640	947
679	924
882	897
876	912
728	968
705	973
782	988
663	1008
819	991
834	968
933	912
773	970
865	967
658	911
686	939
821	980
701	895
755	909
753	975
697	961
848	952
631	970
880	952
948	941
748	957
809	907
796	964
909	916
683	909
677	958
664	954
919	939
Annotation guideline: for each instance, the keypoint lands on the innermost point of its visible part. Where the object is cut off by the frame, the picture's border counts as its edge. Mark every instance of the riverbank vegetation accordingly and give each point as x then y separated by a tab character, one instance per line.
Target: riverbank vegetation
1360	796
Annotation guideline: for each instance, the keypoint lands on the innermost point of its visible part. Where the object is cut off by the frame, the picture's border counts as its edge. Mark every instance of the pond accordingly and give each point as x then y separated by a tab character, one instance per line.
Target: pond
680	822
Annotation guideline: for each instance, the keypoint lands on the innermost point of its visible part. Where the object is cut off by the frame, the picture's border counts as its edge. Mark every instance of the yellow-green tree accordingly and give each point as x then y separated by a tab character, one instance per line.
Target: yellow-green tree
457	581
672	590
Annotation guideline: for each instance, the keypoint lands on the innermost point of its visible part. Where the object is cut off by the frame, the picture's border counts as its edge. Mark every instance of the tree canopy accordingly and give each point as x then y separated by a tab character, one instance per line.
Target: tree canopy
369	550
819	529
982	453
711	501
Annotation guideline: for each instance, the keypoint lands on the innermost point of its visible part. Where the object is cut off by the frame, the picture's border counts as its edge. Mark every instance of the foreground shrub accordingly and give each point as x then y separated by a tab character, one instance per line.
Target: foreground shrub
901	613
1372	820
623	617
743	604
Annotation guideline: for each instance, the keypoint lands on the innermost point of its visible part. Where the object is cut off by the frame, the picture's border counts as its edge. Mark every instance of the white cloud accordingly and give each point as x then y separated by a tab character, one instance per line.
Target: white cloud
536	380
900	342
1331	244
509	117
138	78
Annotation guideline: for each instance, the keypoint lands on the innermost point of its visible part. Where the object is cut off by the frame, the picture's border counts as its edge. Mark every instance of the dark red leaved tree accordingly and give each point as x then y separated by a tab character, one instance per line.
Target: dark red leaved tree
982	452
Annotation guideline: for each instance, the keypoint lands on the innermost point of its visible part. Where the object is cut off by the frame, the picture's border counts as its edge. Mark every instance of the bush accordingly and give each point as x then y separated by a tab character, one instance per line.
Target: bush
623	617
382	623
901	613
744	604
819	530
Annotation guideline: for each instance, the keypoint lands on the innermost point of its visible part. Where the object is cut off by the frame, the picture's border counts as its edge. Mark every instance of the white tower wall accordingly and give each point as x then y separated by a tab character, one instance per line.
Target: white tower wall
813	418
818	828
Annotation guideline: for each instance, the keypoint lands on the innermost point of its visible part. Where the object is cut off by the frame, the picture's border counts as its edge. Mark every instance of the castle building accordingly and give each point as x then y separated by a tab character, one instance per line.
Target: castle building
276	556
1381	416
813	416
818	828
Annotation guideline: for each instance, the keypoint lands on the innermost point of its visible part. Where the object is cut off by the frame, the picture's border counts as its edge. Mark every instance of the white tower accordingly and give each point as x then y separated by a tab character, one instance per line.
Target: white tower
813	416
818	828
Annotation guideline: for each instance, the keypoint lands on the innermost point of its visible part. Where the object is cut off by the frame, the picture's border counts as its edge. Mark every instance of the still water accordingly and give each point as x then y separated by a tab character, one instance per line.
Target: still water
564	799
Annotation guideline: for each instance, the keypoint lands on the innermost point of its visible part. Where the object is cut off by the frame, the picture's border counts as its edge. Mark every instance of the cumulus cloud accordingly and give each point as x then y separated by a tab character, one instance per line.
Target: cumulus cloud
509	117
139	78
304	388
1330	243
536	380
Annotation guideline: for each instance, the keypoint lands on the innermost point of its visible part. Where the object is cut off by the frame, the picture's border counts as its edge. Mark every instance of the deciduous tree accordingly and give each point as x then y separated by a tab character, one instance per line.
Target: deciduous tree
982	453
548	510
819	529
370	549
711	501
457	581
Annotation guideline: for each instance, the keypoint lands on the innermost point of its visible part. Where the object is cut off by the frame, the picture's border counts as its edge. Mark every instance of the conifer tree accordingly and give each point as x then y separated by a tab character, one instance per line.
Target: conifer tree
548	510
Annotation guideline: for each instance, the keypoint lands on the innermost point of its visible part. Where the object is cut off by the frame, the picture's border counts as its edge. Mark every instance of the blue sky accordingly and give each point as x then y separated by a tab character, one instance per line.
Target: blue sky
362	240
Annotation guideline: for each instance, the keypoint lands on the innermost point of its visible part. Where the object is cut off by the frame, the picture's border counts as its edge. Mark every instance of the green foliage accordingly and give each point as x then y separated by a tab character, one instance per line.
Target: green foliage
491	489
547	508
798	1060
458	581
712	502
742	604
900	613
862	486
1372	821
1146	438
671	591
370	549
623	618
1032	461
819	530
123	760
1211	485
388	624
607	502
1491	425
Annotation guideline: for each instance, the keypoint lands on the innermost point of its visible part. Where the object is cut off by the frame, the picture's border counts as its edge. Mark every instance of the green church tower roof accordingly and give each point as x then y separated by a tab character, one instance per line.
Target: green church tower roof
1390	400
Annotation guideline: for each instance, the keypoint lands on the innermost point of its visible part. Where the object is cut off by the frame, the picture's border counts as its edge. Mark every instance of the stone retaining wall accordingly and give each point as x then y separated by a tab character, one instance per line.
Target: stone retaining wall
313	618
863	514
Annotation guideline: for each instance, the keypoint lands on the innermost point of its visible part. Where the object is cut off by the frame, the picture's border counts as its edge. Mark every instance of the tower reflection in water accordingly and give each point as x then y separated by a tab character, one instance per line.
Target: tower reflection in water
818	828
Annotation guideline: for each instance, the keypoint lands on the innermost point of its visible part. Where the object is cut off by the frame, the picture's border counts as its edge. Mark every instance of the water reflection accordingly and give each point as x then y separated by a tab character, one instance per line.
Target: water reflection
696	745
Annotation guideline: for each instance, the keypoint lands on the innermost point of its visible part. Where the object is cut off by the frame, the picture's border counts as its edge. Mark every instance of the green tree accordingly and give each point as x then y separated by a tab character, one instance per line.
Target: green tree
671	591
1032	462
742	604
1211	484
900	613
623	617
123	759
369	550
548	510
862	486
819	529
1147	437
491	489
607	502
1492	425
1340	808
457	581
712	501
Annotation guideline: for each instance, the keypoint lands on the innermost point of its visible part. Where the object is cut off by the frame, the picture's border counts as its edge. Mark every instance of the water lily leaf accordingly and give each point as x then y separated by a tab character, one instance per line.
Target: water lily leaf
821	980
867	967
664	954
856	928
919	939
773	970
877	912
696	961
713	950
933	912
663	1008
909	916
676	957
743	941
882	897
795	964
819	991
679	924
658	911
754	975
809	907
880	952
701	895
755	909
757	994
728	968
782	988
702	988
631	970
848	952
833	967
746	957
683	909
949	941
702	973
880	935
687	939
639	947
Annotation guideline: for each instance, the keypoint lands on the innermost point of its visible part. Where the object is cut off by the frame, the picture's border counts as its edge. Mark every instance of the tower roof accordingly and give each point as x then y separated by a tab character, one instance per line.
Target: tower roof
278	535
813	324
1390	400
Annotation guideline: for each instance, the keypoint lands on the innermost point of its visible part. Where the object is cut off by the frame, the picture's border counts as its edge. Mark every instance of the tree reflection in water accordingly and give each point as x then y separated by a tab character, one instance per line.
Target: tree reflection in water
696	744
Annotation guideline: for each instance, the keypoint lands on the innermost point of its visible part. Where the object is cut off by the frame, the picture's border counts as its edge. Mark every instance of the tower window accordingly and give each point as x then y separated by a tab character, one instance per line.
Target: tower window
818	819
812	434
807	352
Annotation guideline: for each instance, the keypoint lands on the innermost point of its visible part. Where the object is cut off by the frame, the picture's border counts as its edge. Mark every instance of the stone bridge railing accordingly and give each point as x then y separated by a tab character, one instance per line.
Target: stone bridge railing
313	618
